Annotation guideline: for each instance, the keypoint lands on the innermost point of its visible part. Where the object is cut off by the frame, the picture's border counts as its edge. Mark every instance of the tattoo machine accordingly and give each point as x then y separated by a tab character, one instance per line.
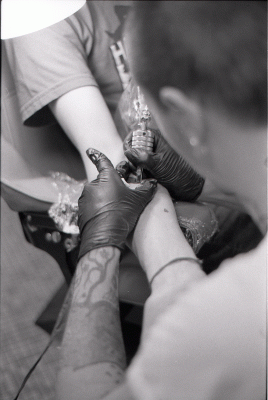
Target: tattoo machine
142	138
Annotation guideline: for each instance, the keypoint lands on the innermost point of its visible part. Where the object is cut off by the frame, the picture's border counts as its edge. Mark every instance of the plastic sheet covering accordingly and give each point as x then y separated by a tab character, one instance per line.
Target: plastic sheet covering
197	221
65	212
132	103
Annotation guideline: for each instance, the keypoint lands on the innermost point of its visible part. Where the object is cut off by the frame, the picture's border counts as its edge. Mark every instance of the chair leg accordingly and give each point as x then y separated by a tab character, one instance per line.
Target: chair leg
40	230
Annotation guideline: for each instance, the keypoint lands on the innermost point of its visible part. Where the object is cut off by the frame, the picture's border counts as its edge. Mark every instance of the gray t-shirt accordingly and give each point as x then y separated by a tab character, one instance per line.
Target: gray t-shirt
85	49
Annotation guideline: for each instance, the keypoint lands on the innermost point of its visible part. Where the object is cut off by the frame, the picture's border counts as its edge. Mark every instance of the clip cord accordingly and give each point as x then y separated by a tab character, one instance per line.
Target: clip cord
58	325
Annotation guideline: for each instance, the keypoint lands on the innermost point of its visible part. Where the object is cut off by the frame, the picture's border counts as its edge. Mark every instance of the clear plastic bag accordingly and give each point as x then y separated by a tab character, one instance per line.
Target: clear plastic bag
131	106
65	212
198	223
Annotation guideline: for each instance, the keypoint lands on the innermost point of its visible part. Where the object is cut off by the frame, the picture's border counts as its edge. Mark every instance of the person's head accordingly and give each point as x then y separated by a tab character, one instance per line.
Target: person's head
203	67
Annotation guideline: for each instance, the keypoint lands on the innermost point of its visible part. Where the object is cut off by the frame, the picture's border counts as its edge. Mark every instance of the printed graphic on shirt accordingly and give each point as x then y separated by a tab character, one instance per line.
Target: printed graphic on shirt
117	48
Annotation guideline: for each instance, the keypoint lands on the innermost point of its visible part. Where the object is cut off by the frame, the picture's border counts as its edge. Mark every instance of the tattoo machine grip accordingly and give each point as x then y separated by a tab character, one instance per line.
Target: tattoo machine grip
143	138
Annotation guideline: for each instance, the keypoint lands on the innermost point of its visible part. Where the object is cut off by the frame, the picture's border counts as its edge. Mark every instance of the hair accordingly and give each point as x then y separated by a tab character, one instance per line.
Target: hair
213	50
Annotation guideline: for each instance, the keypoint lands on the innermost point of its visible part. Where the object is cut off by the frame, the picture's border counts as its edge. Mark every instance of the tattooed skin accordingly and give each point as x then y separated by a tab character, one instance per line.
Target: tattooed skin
94	319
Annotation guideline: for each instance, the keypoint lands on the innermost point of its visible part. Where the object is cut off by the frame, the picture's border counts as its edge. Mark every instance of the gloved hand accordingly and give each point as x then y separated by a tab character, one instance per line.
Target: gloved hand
108	209
167	167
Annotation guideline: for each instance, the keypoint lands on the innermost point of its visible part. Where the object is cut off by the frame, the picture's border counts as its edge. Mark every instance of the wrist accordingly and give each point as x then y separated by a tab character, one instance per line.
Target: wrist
93	265
100	254
103	231
177	272
104	251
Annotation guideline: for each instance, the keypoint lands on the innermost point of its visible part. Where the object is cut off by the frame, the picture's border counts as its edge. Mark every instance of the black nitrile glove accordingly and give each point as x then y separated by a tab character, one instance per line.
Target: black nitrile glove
167	167
108	209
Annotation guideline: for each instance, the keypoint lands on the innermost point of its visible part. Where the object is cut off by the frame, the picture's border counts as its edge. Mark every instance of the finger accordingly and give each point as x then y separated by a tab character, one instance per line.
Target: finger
124	169
148	185
157	136
128	141
101	162
138	157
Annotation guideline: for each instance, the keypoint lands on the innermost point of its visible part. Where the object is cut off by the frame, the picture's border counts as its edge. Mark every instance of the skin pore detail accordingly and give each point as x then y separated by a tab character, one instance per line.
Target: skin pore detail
94	316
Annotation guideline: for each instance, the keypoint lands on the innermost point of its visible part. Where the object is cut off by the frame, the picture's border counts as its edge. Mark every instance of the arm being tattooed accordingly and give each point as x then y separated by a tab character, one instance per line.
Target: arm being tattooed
92	353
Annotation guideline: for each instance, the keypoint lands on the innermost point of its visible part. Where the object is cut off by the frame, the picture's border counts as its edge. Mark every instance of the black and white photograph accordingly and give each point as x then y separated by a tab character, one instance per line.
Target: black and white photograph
133	200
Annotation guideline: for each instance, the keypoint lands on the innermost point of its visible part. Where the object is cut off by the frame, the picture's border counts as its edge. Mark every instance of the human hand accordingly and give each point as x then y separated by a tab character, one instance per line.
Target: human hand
108	209
167	167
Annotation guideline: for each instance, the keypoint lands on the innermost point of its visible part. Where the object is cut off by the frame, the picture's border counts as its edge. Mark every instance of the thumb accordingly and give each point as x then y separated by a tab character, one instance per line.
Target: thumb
101	162
138	157
124	169
128	142
143	158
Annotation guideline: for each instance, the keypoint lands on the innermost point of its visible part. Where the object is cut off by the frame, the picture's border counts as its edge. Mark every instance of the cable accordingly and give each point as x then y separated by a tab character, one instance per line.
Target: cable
33	368
62	317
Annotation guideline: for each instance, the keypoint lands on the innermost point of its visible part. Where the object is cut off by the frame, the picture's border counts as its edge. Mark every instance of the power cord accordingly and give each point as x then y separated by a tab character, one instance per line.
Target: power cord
58	328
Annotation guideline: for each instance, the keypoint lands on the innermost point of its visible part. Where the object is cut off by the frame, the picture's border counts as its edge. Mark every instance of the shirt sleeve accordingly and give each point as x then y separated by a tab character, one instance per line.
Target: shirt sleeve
211	344
49	63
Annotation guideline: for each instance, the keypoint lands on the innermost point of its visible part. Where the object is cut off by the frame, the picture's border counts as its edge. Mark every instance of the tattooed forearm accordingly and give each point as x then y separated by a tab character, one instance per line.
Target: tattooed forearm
93	332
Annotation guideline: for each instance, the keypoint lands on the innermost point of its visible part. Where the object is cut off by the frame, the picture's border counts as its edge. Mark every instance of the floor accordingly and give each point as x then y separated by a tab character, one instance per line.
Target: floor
29	278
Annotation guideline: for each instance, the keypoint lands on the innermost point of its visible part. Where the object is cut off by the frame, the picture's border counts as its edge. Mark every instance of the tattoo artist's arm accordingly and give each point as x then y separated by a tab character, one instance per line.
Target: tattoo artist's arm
92	350
92	353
